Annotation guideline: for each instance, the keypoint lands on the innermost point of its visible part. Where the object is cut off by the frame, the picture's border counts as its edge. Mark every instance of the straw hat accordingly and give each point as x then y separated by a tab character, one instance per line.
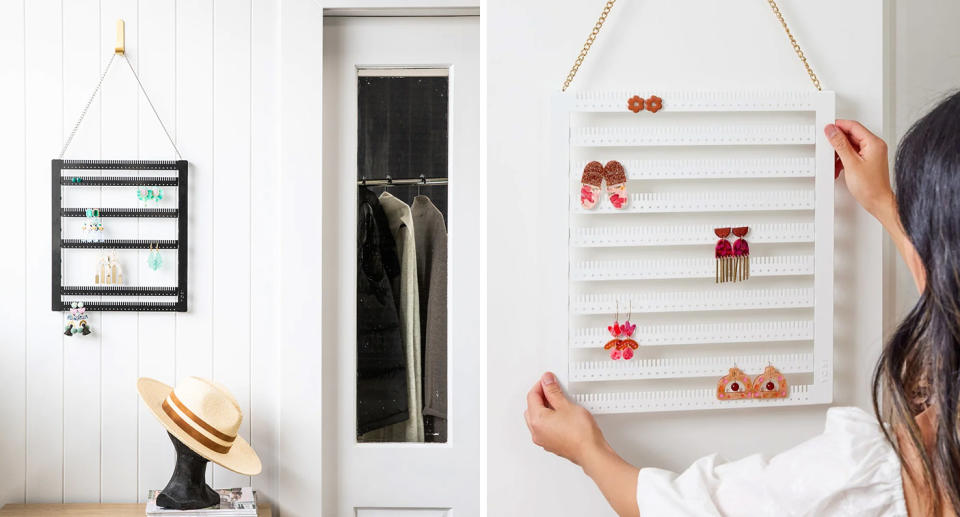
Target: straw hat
205	417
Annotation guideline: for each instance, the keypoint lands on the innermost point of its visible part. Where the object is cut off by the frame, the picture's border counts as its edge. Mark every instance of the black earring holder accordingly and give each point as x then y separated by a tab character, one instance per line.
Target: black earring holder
59	181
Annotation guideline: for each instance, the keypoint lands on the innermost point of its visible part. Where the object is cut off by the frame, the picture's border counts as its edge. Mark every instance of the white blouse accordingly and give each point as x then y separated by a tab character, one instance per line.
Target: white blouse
850	469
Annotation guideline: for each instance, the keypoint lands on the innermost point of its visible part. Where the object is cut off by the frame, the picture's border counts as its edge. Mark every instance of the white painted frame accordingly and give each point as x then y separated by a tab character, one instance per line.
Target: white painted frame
562	271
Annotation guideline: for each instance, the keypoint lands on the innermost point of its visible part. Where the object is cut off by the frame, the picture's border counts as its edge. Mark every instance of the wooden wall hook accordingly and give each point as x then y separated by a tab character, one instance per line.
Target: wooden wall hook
119	49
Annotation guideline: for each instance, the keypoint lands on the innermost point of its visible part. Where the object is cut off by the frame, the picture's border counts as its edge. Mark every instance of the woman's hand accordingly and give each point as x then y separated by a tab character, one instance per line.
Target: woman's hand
560	426
568	430
863	156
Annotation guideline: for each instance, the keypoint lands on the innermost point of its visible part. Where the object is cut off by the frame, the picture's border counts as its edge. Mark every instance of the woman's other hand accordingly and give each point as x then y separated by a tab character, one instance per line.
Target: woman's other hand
559	425
568	430
863	156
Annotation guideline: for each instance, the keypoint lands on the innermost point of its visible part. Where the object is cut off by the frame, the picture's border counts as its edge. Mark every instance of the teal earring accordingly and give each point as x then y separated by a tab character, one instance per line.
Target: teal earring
154	260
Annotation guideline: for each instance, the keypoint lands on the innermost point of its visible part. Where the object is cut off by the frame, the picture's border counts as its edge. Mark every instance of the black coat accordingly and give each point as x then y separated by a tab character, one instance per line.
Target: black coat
381	361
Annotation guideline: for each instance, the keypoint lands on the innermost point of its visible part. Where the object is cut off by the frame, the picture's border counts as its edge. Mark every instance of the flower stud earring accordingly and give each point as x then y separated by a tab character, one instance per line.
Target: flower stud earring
654	104
635	104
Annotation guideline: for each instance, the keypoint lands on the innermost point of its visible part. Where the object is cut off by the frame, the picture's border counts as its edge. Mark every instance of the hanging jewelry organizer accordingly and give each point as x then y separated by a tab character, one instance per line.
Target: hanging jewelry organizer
700	160
158	178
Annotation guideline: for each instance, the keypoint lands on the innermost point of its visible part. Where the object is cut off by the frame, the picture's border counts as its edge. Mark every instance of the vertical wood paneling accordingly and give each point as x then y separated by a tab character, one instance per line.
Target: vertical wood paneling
44	331
264	249
195	138
231	200
118	333
81	354
194	348
157	330
12	309
74	429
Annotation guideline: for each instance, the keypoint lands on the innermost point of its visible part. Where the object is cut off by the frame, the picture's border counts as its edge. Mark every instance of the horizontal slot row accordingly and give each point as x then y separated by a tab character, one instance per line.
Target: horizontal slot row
683	235
179	306
701	333
685	367
667	202
656	269
118	165
614	101
118	290
718	299
682	400
122	212
169	244
715	169
767	134
119	181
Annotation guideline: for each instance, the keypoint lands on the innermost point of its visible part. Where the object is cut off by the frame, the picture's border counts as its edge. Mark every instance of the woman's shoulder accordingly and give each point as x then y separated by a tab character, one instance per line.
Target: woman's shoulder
851	419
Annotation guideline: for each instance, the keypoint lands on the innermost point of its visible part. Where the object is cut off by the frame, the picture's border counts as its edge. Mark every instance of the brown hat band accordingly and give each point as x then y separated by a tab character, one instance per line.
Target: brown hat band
205	426
187	428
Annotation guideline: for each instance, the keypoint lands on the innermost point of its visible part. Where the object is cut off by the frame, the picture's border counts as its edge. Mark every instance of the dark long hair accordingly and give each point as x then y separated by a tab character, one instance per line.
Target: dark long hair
920	365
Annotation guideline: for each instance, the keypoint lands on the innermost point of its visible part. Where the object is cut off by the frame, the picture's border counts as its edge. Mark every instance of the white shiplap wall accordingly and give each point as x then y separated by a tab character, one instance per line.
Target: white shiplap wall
72	427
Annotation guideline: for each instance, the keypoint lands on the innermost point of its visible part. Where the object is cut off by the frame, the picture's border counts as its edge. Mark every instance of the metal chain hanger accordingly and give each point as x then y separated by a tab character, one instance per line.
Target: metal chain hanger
609	6
119	51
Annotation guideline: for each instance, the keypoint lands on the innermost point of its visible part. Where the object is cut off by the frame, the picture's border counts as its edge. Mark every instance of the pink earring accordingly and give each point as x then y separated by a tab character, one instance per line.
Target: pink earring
622	348
615	331
626	331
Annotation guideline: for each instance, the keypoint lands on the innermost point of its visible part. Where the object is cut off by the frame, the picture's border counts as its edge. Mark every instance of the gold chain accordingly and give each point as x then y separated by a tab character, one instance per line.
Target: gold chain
796	46
586	46
606	11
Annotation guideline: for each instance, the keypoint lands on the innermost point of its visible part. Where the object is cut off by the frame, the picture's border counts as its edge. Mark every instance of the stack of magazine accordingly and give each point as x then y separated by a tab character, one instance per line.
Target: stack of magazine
234	502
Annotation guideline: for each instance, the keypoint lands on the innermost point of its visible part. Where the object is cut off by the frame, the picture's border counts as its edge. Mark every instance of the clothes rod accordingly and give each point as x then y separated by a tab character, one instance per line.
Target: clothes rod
410	181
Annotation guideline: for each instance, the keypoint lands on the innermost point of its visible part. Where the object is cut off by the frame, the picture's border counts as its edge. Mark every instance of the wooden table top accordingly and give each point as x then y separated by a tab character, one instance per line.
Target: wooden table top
88	510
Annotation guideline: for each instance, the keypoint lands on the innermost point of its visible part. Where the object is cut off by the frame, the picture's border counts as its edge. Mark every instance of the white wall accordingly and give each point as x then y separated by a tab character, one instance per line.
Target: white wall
73	428
926	67
656	44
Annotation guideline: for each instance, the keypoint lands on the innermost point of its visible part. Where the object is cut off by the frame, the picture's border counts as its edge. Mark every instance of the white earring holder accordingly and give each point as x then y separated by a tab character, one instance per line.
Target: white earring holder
657	254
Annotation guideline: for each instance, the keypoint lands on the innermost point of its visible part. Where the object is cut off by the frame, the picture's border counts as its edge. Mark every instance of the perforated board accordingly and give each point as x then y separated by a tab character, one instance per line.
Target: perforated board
706	160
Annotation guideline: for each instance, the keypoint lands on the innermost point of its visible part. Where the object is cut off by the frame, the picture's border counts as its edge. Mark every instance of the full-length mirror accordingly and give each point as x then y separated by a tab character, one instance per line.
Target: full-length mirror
402	163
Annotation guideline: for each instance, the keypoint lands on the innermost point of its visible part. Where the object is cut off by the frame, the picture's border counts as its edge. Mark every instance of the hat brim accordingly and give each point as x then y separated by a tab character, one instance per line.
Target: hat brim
241	458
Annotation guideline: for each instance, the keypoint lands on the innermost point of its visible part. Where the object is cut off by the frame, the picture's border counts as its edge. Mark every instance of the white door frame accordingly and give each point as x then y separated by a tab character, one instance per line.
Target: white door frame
301	138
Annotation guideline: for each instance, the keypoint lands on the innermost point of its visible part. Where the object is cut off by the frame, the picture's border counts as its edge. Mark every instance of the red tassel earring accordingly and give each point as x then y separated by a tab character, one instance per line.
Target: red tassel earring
741	253
724	255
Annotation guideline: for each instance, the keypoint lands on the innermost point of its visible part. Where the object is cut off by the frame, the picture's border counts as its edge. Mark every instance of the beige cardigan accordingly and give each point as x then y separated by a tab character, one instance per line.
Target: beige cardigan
401	226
